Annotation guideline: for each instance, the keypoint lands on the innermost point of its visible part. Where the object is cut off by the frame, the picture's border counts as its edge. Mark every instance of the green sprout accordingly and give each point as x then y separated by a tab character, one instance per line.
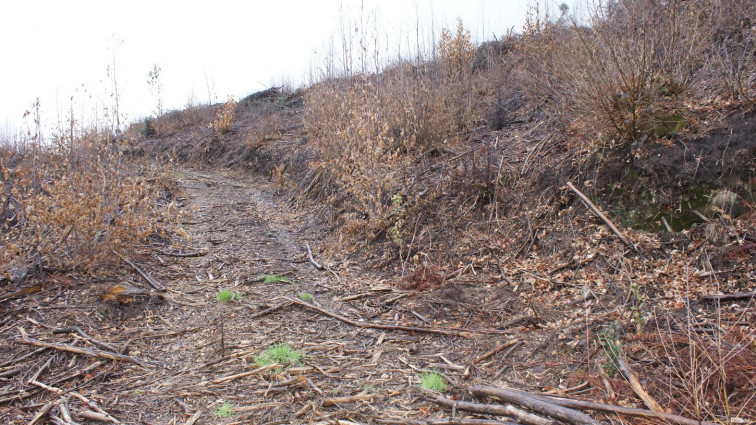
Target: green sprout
274	278
610	341
226	295
280	353
433	381
305	296
223	411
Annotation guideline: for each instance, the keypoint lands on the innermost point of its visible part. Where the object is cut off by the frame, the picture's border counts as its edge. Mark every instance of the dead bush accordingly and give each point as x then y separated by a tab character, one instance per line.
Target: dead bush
224	117
368	129
72	210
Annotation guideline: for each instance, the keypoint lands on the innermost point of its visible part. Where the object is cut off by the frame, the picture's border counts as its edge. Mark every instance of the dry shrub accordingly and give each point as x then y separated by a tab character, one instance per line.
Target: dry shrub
456	57
638	63
368	129
733	52
175	121
266	126
705	370
636	69
72	210
224	117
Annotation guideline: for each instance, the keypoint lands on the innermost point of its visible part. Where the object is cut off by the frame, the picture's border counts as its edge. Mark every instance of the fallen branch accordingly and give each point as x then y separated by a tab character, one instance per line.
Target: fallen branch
363	396
600	215
200	253
462	332
78	350
22	292
42	413
194	418
95	416
735	296
312	260
154	283
467	421
488	354
98	414
266	311
632	378
535	404
495	409
630	411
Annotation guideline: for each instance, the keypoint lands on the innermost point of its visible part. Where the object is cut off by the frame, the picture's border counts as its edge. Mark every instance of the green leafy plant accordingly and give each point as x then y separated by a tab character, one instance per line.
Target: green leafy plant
275	278
280	353
223	411
637	302
610	342
433	381
225	295
305	296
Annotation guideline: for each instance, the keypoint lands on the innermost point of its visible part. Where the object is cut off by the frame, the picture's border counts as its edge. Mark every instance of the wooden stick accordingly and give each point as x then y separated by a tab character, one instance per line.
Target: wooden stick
630	411
200	253
600	215
267	310
78	350
467	421
735	296
524	399
42	413
462	332
363	396
312	260
25	291
154	283
248	373
99	414
194	418
96	416
632	378
495	409
64	410
490	353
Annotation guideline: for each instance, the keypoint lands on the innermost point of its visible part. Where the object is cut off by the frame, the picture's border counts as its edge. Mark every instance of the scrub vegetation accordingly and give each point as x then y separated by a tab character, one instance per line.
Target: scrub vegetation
582	187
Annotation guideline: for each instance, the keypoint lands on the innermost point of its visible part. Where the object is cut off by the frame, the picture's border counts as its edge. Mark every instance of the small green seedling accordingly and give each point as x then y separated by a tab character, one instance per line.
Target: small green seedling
433	381
274	278
305	296
223	411
280	353
226	295
609	338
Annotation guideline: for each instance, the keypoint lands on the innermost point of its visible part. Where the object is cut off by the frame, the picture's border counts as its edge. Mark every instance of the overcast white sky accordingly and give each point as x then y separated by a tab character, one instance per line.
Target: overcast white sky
56	49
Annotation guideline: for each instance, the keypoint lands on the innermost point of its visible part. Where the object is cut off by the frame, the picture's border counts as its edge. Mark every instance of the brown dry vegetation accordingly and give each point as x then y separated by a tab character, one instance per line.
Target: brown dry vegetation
446	177
71	205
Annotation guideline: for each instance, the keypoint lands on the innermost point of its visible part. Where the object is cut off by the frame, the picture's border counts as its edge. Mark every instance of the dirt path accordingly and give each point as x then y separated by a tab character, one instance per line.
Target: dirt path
201	353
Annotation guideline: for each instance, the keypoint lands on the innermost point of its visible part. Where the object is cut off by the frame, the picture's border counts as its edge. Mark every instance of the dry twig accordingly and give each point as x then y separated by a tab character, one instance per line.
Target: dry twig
600	215
78	350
